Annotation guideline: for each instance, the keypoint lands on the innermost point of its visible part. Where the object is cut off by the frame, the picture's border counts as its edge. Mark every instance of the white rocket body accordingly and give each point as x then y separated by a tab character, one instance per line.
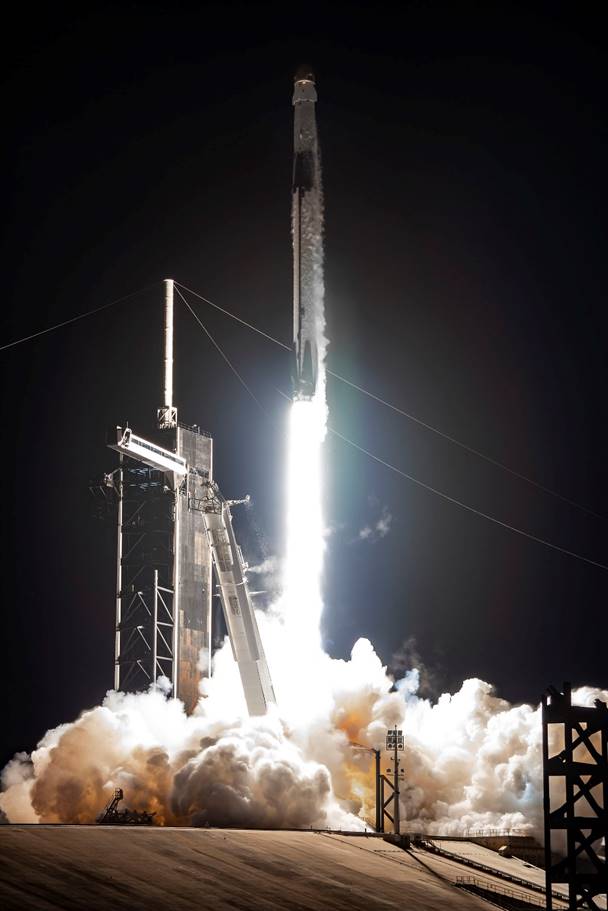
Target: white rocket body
307	253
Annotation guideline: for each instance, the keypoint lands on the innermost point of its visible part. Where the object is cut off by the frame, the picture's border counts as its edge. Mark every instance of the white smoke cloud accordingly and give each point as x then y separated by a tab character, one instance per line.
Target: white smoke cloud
266	577
472	760
378	529
188	771
271	565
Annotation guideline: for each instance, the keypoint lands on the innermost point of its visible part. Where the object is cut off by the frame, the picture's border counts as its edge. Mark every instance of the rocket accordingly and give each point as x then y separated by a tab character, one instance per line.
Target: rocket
306	213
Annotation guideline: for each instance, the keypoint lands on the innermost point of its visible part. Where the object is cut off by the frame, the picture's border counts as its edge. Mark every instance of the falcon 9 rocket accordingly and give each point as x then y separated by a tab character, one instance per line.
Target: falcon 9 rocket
307	214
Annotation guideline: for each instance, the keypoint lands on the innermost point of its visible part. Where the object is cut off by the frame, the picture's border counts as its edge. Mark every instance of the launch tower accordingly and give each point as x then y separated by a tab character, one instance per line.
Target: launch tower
174	528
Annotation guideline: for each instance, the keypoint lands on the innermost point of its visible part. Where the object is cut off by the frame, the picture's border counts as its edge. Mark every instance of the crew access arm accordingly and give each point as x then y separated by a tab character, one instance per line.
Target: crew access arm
237	605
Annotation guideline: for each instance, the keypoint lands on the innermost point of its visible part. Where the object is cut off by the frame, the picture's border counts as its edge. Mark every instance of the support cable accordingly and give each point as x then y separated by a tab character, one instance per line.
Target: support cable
411	417
223	354
477	512
453	500
356	446
232	316
74	319
468	448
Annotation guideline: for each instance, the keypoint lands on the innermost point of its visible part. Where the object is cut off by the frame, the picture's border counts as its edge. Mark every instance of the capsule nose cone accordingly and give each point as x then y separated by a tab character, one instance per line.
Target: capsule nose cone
304	72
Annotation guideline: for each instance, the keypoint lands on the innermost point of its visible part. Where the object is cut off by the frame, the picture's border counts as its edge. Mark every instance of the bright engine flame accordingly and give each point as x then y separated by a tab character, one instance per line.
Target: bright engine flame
302	598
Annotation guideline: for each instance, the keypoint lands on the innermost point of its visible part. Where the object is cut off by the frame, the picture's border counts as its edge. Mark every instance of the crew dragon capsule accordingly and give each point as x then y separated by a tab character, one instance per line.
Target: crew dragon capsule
307	213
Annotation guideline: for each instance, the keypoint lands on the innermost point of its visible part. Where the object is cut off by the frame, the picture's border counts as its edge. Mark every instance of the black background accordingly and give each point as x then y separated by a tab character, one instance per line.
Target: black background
464	152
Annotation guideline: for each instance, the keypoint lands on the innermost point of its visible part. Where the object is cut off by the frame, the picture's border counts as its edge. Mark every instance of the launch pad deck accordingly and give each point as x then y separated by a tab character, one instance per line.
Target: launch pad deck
96	867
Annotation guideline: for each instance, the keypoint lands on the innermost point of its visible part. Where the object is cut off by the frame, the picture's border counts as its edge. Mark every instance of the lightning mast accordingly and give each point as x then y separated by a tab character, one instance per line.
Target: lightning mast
167	414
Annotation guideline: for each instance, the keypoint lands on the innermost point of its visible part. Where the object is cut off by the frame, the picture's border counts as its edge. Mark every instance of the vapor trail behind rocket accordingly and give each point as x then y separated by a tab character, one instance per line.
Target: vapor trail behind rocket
307	226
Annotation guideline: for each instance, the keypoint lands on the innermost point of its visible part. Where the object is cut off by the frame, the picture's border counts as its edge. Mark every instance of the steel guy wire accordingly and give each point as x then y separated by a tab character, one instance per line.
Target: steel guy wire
411	417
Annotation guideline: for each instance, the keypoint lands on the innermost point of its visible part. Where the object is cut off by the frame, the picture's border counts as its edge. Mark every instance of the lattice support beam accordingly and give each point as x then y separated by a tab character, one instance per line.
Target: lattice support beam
575	786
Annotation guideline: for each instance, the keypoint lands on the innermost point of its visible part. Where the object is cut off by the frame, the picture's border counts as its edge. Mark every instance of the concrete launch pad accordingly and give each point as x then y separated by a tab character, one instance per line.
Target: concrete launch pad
97	867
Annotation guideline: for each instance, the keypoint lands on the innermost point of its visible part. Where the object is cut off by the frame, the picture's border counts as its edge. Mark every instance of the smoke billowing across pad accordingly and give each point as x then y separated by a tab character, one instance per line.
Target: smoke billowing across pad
472	760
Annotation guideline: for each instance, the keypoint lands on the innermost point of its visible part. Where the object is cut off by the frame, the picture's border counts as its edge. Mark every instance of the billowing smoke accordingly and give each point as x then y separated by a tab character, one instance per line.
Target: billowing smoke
472	760
187	770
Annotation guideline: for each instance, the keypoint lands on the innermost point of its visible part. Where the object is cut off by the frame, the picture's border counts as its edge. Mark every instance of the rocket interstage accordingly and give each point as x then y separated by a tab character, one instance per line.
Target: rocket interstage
307	214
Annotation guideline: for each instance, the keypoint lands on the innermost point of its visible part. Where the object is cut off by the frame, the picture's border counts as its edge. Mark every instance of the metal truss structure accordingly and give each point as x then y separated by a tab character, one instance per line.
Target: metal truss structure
145	621
151	640
575	785
379	786
395	744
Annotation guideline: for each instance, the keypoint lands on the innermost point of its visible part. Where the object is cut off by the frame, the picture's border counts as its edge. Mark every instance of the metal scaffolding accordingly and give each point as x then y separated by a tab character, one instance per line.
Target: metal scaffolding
378	783
575	785
394	744
145	620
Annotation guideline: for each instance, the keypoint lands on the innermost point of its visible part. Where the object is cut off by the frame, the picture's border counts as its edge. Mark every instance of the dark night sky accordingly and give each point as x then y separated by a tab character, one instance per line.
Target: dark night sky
464	153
